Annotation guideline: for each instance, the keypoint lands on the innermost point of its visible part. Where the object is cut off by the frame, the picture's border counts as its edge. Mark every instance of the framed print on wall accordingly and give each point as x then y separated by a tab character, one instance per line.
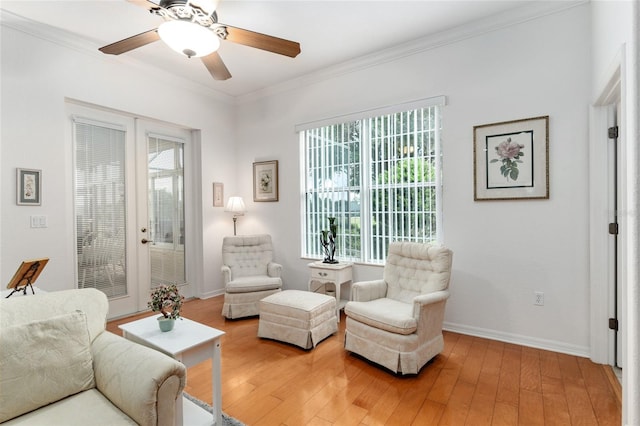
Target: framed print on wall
218	194
511	160
265	181
28	187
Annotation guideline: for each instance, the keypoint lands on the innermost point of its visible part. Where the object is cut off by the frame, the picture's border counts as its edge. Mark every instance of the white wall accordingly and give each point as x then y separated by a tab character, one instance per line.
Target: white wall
34	135
503	251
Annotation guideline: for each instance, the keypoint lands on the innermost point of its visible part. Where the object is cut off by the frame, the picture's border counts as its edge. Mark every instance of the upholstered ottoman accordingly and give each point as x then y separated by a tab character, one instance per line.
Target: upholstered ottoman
302	318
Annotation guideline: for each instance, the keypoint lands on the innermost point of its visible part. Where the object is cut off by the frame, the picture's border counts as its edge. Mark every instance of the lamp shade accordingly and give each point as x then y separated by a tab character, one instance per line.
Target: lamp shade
236	206
188	38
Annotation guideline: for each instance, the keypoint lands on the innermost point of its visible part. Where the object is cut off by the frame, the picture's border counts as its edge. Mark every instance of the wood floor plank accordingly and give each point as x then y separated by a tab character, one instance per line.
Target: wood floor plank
411	401
556	410
473	381
530	378
380	413
457	407
430	414
484	400
549	364
504	414
474	361
508	391
605	405
531	408
443	387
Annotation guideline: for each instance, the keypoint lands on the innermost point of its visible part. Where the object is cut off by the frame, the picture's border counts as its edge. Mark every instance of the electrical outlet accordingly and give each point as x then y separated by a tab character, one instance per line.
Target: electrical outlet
538	298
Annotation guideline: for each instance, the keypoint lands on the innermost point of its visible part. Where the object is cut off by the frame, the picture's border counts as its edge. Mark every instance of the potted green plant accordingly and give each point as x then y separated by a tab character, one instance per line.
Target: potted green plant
167	300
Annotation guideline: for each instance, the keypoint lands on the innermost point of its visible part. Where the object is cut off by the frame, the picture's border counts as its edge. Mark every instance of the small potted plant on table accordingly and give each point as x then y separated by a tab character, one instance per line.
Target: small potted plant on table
167	300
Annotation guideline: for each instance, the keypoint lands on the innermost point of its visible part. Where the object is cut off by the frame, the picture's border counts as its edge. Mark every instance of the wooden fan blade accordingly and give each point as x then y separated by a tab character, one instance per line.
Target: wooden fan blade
131	43
263	41
147	4
216	67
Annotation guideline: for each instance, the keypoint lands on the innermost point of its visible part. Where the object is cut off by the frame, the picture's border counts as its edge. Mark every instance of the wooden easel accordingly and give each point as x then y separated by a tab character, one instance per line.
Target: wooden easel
26	275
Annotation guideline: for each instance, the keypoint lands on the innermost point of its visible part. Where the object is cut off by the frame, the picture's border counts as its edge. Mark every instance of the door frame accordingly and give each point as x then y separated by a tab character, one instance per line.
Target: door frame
601	251
145	128
194	237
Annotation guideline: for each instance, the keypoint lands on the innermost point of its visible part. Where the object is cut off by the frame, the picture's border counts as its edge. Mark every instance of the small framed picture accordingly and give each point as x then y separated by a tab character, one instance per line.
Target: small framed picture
28	187
511	160
265	181
218	194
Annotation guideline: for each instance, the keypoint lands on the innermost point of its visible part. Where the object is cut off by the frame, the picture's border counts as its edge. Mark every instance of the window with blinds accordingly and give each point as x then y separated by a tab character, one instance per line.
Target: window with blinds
100	206
378	176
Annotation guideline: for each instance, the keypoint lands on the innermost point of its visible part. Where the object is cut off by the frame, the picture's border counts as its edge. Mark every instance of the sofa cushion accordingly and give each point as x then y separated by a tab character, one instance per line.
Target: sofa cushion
249	284
42	362
83	409
386	314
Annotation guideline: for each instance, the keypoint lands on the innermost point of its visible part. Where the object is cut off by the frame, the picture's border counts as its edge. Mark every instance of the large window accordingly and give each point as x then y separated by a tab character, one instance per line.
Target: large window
378	176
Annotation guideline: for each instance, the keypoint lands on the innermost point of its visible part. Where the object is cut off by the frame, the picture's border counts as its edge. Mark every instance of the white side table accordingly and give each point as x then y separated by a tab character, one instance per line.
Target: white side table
190	343
337	274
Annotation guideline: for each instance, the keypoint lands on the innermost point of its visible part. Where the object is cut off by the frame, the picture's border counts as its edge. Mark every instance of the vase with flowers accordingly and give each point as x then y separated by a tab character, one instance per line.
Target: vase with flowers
167	300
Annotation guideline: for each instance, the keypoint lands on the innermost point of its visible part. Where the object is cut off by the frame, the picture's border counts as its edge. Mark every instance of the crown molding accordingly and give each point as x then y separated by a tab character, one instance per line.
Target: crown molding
87	47
532	10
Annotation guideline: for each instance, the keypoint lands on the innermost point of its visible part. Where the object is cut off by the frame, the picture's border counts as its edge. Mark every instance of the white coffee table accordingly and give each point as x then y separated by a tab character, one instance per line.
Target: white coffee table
190	343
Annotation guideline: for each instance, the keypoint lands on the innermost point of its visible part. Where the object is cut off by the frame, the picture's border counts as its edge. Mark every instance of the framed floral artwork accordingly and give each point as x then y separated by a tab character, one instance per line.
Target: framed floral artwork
218	194
29	187
511	160
265	181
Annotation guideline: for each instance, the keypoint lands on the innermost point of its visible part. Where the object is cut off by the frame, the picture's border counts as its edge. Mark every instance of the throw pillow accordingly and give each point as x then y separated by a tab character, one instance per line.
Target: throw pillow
42	362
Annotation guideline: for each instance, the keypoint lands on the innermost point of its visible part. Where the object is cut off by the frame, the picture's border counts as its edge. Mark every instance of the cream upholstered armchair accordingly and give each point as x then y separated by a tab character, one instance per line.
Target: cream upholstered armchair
249	274
397	321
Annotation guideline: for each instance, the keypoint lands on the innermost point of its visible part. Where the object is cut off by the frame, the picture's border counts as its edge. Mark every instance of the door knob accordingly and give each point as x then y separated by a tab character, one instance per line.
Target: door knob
145	241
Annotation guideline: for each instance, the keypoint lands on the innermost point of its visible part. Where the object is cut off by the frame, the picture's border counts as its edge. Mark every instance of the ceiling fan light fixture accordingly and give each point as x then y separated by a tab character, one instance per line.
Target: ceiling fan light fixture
189	38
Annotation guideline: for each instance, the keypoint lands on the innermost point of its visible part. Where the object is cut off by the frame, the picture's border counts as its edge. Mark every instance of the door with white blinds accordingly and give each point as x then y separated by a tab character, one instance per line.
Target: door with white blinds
104	175
129	187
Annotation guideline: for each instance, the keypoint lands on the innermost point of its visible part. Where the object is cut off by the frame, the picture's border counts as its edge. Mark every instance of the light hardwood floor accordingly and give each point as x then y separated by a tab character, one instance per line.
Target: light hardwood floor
473	382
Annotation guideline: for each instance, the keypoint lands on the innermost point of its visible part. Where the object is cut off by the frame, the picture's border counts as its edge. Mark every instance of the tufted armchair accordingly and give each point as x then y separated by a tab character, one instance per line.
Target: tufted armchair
249	274
397	321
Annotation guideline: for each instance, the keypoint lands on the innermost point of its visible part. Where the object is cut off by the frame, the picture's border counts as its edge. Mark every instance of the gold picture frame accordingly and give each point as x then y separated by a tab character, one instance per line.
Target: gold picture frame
511	160
265	181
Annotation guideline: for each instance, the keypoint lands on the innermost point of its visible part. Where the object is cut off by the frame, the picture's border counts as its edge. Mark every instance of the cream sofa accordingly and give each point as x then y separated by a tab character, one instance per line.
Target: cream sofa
58	366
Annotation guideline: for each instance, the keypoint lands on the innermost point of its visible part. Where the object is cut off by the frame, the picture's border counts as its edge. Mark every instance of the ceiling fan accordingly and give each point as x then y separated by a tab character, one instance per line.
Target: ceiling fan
191	28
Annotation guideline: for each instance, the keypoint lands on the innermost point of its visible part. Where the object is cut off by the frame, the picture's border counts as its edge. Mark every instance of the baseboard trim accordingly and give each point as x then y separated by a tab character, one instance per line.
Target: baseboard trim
210	294
518	339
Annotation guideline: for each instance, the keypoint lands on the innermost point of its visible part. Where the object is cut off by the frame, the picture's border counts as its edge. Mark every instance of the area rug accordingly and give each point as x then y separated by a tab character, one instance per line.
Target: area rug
226	420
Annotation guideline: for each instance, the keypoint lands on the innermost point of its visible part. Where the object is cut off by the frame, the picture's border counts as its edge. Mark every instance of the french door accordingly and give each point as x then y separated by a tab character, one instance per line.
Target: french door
129	191
162	228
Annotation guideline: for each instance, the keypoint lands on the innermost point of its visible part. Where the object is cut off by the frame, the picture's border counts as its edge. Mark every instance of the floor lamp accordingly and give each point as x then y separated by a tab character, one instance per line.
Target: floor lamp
236	206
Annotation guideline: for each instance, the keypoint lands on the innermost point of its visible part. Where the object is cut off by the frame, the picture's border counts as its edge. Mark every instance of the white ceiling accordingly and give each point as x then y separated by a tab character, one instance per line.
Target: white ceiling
330	32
